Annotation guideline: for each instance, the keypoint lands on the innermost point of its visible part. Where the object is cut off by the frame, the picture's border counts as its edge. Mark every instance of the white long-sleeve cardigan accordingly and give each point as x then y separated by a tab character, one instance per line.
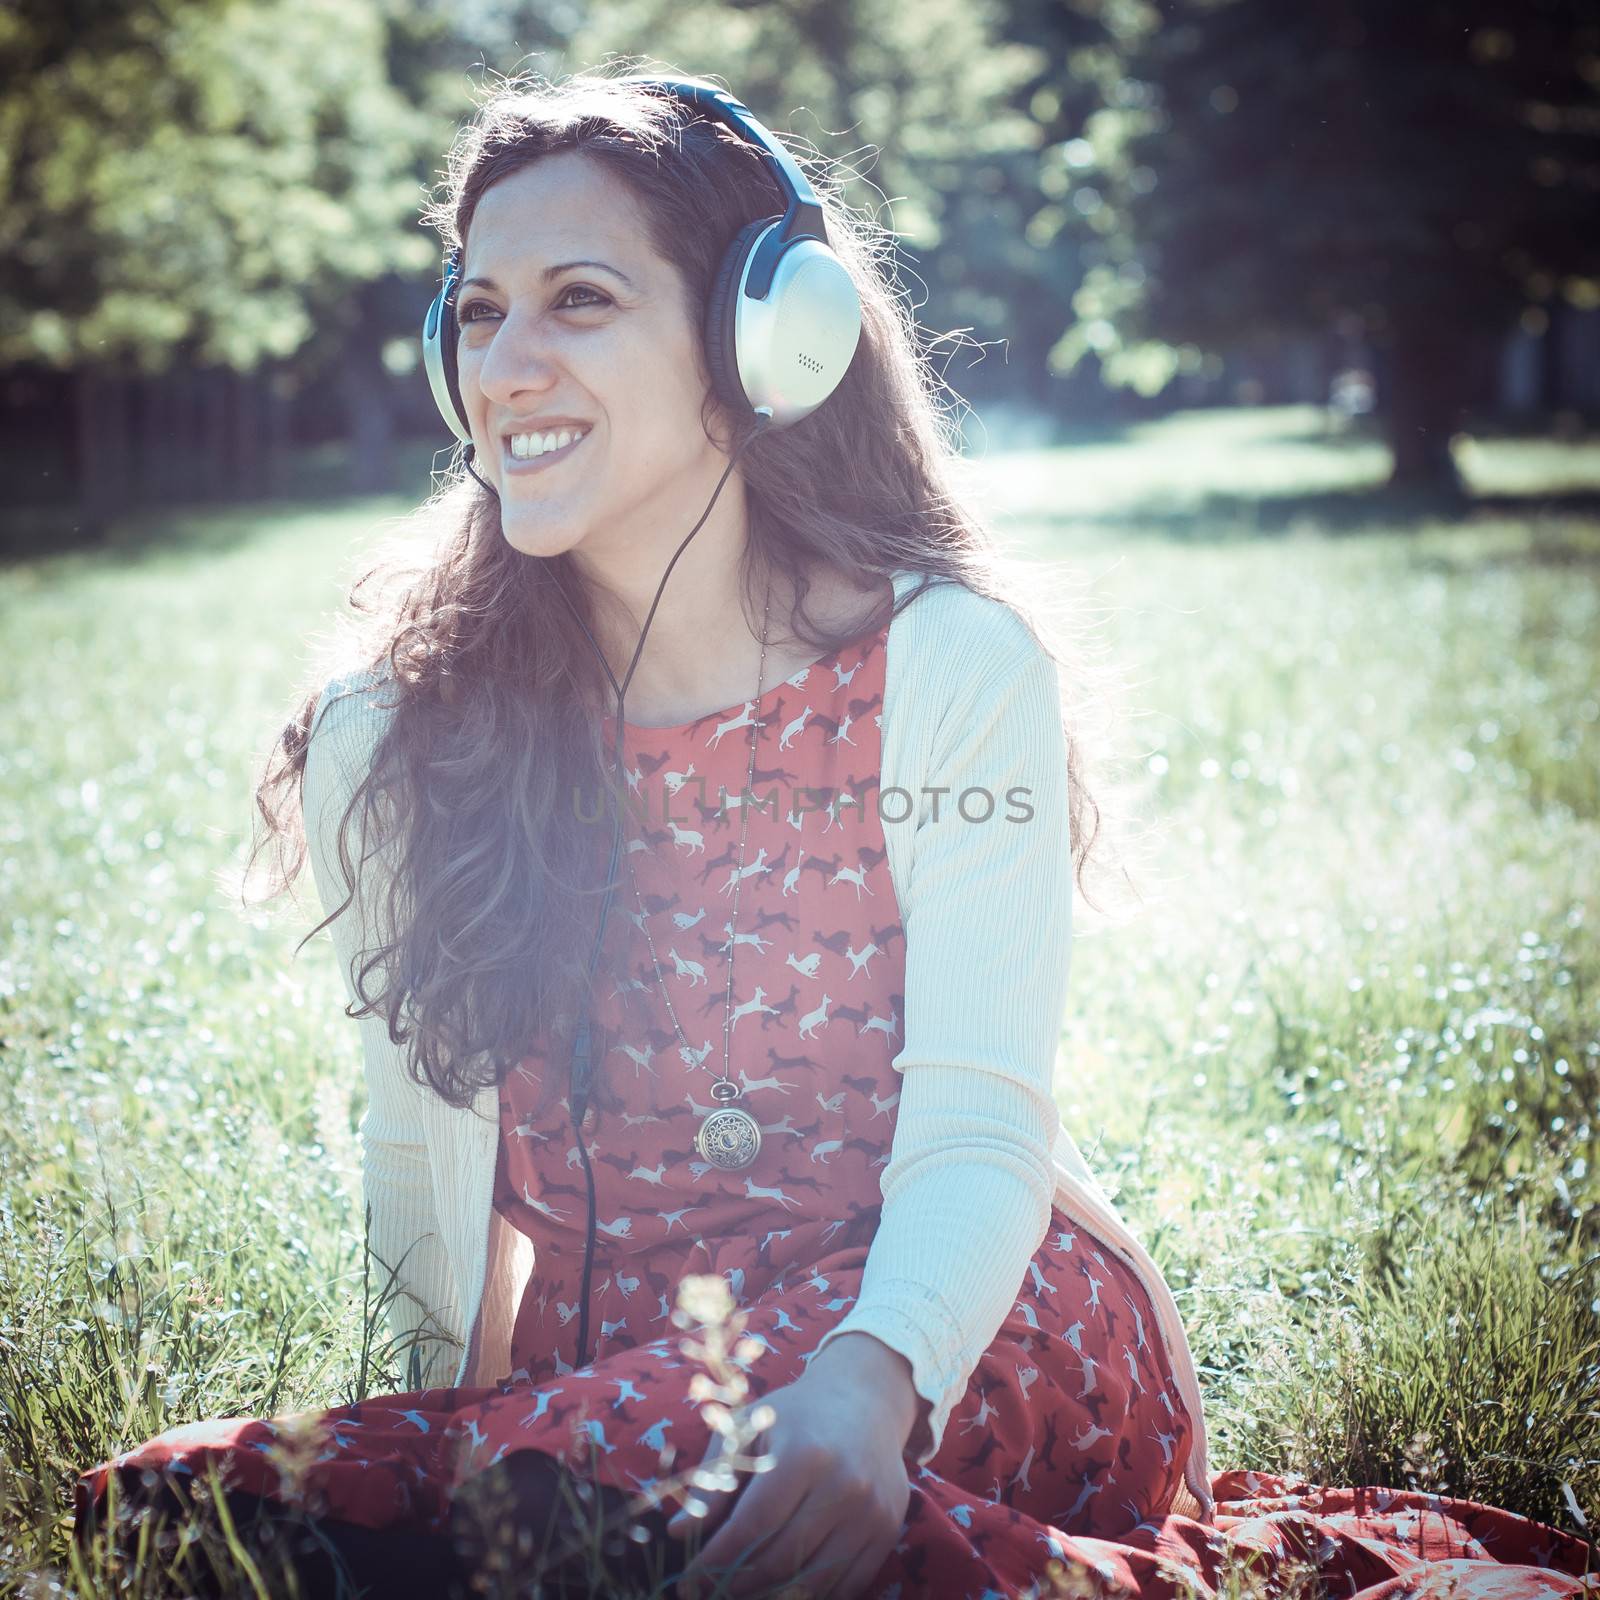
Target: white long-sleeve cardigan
979	1154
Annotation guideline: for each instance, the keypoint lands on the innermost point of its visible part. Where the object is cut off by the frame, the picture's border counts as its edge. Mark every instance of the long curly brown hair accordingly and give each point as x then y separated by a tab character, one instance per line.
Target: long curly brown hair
491	900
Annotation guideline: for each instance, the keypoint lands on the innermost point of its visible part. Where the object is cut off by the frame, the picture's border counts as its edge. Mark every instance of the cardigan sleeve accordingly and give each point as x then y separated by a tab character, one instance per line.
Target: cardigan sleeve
987	915
397	1184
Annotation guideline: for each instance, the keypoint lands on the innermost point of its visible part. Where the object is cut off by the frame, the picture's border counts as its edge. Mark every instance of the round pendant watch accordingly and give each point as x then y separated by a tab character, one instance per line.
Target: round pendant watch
729	1137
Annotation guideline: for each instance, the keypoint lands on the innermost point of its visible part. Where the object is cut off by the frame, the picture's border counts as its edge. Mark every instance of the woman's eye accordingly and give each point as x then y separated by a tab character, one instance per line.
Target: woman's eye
465	314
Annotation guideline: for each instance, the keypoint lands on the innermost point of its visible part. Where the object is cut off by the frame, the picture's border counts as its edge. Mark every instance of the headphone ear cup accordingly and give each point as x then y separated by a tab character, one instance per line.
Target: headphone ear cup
452	373
722	356
439	358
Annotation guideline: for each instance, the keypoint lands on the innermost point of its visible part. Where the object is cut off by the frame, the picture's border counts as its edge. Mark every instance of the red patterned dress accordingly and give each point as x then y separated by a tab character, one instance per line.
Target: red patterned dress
1071	1437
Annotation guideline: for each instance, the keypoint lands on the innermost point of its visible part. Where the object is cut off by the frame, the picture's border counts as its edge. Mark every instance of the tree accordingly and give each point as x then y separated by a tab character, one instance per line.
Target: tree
1007	236
921	101
199	181
1415	173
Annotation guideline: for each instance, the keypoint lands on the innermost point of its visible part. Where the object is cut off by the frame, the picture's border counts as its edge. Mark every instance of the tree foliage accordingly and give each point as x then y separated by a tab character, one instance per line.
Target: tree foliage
1121	186
1415	174
210	176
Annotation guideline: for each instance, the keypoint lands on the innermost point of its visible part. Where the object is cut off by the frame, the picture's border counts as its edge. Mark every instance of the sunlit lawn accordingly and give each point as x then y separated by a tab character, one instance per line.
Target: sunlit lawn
1342	1059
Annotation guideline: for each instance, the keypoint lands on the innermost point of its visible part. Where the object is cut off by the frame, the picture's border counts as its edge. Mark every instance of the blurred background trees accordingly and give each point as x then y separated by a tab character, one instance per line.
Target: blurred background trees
215	270
1410	180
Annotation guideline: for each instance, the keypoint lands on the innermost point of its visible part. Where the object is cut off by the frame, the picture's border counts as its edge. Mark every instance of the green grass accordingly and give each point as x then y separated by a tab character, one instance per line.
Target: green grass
1343	1063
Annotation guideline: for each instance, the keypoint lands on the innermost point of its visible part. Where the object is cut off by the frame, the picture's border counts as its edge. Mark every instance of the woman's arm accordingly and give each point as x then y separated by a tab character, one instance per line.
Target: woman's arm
987	914
396	1182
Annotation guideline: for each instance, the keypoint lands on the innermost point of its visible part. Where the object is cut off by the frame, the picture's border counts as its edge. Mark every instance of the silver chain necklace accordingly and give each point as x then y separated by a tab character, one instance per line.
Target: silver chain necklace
728	1137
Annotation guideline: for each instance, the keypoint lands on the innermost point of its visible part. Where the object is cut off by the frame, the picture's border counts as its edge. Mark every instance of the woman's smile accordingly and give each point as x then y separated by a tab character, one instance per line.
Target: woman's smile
515	464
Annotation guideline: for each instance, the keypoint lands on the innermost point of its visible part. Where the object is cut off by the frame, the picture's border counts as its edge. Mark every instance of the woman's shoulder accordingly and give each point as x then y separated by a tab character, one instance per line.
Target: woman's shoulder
352	708
351	715
955	635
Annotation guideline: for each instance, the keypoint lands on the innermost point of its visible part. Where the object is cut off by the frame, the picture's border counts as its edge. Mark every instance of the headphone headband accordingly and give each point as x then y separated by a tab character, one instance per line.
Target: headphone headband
802	214
782	319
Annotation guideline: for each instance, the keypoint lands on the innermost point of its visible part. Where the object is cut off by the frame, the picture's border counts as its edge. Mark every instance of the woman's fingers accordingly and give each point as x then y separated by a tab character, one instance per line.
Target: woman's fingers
829	1570
852	1577
763	1539
716	1501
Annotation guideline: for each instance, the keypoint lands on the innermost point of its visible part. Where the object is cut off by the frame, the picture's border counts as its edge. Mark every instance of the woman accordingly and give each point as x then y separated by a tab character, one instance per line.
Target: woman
816	1058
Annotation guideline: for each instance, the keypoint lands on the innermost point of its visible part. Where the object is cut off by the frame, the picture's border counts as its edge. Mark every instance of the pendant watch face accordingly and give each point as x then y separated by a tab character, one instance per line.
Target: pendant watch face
729	1138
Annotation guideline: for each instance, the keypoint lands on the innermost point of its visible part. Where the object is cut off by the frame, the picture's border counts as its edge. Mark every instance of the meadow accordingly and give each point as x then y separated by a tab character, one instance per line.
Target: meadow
1340	1064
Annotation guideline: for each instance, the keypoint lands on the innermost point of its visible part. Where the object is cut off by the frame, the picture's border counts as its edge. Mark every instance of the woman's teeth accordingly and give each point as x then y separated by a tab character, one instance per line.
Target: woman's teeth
524	446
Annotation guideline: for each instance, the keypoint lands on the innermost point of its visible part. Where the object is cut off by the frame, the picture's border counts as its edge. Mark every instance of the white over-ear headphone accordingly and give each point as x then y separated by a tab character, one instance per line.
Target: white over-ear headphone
783	318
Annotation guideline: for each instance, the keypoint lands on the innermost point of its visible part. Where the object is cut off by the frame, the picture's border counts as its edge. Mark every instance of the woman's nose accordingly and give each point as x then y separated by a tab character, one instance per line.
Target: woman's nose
518	359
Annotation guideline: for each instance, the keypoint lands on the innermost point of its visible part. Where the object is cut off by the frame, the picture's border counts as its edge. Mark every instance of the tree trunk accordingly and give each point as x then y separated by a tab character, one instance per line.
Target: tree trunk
153	439
276	427
103	449
1552	363
364	387
215	469
1428	371
247	450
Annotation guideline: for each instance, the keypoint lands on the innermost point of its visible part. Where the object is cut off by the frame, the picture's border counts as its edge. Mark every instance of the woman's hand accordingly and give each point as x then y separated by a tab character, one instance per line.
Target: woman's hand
834	1500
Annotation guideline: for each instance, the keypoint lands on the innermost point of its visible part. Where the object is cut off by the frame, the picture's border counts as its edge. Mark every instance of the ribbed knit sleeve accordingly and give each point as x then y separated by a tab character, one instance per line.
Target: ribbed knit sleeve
987	914
396	1180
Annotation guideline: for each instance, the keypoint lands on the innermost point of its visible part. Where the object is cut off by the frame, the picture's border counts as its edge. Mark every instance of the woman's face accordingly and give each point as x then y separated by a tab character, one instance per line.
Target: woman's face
546	346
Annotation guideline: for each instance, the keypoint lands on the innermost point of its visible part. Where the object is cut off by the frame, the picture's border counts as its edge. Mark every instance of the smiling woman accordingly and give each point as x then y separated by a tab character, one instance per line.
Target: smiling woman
540	351
822	1039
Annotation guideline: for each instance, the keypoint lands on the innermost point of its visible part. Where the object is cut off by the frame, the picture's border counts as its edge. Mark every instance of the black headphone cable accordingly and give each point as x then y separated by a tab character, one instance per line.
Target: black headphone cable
581	1067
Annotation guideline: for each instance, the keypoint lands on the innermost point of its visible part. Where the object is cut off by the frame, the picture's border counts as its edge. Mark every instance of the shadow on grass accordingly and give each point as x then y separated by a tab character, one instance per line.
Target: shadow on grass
317	484
314	482
1221	517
